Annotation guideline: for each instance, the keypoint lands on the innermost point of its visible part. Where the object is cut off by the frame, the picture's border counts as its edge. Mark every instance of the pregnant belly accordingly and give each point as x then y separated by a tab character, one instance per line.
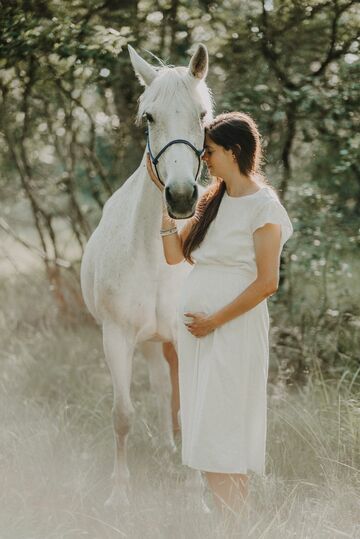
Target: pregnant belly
210	287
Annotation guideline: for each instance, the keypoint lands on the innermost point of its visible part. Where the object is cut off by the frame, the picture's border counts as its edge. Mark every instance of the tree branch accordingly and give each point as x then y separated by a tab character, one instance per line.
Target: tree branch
307	16
35	250
332	53
270	55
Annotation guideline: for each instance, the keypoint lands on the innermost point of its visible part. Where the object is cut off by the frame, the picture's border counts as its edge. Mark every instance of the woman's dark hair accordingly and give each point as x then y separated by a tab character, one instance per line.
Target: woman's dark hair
234	131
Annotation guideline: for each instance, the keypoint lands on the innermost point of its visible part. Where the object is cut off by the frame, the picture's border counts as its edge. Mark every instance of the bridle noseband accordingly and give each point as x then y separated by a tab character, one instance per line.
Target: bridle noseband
155	159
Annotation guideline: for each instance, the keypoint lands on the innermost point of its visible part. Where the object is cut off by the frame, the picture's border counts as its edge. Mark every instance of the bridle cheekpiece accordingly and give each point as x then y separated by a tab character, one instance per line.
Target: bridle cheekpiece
155	159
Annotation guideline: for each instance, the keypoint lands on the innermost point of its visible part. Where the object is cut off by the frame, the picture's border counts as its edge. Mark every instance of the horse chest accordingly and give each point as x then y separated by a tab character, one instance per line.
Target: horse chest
126	278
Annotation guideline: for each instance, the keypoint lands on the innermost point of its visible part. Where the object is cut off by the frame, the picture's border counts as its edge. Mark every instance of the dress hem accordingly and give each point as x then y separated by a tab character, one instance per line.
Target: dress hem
207	469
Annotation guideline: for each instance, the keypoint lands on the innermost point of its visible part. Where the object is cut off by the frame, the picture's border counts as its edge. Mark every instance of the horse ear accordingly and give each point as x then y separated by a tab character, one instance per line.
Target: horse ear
144	71
198	66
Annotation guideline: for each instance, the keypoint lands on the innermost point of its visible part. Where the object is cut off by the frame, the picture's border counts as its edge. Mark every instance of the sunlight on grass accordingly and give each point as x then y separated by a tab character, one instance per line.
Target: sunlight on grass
56	445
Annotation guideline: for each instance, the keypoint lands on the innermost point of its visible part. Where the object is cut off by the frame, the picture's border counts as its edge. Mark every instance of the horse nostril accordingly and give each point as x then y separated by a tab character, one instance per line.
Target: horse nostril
187	195
168	194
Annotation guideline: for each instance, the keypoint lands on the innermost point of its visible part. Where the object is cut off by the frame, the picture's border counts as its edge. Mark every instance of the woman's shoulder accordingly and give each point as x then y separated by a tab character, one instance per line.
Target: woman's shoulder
270	210
267	196
268	203
269	192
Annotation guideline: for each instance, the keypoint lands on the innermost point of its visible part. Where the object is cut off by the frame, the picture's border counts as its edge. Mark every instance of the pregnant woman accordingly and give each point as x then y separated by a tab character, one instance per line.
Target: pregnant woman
234	242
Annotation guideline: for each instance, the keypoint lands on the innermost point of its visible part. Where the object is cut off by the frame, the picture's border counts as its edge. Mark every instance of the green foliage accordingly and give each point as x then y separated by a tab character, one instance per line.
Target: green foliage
25	35
69	97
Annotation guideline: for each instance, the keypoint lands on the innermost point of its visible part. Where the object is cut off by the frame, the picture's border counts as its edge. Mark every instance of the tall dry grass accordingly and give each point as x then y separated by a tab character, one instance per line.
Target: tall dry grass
56	445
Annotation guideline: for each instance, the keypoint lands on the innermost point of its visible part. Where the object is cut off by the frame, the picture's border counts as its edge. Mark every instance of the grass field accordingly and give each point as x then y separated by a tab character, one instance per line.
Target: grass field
56	444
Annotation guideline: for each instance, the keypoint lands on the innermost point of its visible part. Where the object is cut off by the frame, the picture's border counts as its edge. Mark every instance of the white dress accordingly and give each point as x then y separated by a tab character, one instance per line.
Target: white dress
223	376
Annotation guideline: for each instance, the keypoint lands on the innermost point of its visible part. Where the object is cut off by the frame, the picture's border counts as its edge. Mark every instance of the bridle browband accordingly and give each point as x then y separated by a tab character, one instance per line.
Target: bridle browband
155	159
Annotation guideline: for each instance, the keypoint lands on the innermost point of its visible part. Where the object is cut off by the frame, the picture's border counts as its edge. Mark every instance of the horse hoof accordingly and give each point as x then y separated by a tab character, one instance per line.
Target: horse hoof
204	507
171	447
167	443
199	506
117	499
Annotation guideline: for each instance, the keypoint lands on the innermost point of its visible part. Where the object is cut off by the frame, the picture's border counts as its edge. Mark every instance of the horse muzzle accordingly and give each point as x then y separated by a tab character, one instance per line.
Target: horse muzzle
181	199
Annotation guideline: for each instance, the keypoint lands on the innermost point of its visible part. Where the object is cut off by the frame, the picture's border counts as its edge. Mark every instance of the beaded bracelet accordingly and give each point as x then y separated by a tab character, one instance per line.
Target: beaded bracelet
168	231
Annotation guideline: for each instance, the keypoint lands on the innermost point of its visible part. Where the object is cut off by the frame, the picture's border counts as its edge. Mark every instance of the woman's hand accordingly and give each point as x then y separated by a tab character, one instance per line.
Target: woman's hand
201	324
152	174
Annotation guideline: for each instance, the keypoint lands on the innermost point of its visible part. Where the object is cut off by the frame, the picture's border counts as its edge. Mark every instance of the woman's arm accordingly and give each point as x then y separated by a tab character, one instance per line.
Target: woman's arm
172	243
267	252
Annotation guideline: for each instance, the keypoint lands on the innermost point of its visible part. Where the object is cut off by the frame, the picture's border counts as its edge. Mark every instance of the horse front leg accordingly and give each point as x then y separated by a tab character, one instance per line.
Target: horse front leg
119	351
160	383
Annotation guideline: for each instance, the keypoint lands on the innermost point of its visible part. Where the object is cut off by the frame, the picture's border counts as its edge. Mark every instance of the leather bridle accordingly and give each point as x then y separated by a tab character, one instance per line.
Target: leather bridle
155	159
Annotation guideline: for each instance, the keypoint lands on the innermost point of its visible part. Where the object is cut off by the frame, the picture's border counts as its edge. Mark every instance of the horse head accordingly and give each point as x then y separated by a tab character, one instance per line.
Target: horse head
176	104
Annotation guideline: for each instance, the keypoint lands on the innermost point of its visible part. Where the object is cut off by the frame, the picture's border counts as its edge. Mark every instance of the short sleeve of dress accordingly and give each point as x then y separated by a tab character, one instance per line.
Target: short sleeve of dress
272	211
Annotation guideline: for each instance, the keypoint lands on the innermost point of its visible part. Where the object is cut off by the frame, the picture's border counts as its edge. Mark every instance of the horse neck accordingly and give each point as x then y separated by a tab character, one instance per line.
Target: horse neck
148	208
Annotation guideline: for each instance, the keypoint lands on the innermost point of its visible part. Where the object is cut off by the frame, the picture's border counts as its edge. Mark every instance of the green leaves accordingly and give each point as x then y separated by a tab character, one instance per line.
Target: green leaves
25	36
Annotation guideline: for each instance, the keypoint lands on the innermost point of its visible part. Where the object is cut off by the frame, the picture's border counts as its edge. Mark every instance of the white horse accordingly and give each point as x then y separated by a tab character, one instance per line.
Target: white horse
126	283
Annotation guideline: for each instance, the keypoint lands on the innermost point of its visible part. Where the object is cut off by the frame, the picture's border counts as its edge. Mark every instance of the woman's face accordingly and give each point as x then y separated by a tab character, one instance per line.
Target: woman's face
218	160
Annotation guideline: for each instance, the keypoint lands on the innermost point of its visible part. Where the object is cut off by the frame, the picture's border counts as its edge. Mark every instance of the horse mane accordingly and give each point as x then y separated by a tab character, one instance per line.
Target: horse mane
162	91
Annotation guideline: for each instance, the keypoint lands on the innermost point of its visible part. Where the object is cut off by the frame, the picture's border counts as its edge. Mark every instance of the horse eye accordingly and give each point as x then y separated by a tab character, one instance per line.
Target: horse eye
202	115
149	117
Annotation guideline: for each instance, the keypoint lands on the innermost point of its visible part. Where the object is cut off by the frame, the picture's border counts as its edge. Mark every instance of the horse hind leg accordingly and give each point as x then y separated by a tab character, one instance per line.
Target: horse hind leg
171	357
119	351
160	383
